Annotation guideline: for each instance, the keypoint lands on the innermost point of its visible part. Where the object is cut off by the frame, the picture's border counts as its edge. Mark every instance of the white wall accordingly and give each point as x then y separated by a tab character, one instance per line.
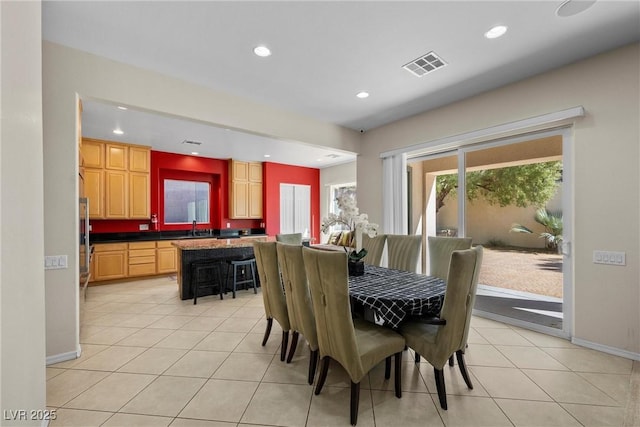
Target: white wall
340	174
22	337
606	163
67	73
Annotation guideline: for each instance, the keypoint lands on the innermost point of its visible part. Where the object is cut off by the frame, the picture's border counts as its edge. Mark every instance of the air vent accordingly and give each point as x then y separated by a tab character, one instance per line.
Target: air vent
425	64
186	141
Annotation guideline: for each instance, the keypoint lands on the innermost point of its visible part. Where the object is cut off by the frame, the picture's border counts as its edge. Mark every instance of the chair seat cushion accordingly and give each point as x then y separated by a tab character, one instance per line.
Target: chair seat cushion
375	343
421	337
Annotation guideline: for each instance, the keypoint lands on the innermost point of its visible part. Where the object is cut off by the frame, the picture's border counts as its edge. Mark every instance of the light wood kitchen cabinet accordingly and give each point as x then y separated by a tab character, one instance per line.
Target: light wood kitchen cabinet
139	159
94	191
110	261
166	257
116	203
142	258
245	189
118	182
116	156
92	153
139	195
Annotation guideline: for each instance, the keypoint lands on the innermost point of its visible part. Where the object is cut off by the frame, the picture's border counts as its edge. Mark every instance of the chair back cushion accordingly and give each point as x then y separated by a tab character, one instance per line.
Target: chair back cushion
275	305
460	296
296	290
329	284
291	239
440	249
374	247
404	252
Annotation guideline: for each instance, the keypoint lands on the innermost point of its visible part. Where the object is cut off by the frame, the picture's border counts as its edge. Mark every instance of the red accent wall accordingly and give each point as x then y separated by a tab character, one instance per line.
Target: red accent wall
275	174
215	171
176	166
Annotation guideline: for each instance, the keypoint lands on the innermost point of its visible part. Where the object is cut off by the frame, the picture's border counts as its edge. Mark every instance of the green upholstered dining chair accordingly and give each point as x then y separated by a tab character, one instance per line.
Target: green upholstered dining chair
374	247
404	252
357	345
275	305
291	239
299	303
439	338
440	249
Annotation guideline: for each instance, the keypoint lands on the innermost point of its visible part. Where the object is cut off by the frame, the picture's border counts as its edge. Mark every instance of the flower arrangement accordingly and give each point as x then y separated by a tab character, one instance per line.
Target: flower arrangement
354	221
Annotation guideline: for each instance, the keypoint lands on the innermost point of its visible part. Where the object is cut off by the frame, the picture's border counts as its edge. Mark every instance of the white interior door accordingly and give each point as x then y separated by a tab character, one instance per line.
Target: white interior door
295	208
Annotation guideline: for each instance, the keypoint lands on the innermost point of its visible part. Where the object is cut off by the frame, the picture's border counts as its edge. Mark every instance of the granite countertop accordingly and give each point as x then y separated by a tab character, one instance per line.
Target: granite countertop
195	244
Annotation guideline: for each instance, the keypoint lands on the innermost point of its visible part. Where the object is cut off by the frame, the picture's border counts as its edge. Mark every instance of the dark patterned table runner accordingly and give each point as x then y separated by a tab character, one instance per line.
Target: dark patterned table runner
394	294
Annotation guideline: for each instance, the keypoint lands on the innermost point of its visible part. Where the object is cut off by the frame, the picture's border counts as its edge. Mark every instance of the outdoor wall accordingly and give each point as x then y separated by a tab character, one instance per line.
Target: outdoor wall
340	174
604	176
68	73
22	309
492	223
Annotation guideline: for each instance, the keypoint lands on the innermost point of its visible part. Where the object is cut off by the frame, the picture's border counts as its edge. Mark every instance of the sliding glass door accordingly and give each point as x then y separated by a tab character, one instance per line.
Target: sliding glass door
509	196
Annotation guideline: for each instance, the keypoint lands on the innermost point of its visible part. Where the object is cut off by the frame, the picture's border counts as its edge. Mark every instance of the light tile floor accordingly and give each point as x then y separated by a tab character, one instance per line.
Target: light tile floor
149	359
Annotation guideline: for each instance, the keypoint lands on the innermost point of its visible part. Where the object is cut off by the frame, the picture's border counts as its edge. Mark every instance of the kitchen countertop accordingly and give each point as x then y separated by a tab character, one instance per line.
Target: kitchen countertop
172	235
195	244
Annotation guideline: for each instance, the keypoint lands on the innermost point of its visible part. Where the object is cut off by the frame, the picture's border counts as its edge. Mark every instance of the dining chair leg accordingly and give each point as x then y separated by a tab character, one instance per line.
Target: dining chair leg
323	374
267	331
292	347
355	400
451	360
398	374
313	363
285	342
463	368
387	368
442	393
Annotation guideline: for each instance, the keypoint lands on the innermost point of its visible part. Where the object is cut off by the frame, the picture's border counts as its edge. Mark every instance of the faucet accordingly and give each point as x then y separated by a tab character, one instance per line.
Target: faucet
193	228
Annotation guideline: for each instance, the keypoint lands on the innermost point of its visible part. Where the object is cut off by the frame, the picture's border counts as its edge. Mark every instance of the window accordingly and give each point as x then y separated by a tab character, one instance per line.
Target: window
186	201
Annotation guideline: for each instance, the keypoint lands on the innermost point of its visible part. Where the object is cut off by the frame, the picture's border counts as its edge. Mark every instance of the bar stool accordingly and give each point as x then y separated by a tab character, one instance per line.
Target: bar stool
205	273
242	265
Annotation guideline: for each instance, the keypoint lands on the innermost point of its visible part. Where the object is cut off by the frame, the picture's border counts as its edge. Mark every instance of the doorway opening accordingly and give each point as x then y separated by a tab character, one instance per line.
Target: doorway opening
498	193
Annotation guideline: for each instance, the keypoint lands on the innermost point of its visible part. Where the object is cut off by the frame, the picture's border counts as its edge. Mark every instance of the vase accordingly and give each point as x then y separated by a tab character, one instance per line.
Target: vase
356	268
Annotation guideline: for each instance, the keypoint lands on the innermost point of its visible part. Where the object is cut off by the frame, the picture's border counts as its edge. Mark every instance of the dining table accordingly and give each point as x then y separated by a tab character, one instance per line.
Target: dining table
390	296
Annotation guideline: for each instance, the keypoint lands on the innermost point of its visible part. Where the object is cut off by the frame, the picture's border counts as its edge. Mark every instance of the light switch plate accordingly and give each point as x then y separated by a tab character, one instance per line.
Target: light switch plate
55	262
609	257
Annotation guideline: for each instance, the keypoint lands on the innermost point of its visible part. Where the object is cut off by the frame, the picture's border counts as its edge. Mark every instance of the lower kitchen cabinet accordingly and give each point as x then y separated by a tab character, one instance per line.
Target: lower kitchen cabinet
142	258
167	257
110	261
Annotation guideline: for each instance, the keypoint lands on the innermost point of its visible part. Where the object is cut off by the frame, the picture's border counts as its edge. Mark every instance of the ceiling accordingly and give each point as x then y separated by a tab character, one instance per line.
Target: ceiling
323	54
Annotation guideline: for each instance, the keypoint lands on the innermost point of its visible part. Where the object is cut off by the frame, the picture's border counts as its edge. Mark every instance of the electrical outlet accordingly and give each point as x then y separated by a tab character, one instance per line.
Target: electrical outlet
228	225
609	257
144	227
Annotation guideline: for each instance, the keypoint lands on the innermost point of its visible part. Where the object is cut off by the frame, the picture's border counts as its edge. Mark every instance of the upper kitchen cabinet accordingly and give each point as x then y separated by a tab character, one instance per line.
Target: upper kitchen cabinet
92	153
118	179
245	190
117	155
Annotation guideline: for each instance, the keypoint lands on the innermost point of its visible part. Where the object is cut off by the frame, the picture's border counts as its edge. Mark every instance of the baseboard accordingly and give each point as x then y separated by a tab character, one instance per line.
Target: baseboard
62	357
606	349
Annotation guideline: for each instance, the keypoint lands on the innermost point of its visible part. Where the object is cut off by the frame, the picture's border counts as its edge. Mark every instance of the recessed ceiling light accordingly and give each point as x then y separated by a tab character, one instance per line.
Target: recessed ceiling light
121	108
262	51
362	95
496	32
195	153
118	132
267	155
572	7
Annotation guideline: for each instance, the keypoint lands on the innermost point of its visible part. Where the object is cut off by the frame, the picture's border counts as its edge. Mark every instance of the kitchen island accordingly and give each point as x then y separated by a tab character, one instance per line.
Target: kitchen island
190	250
